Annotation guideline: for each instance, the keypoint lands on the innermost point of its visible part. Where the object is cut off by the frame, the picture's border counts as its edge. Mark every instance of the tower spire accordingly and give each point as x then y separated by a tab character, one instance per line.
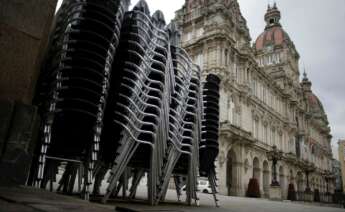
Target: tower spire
306	84
305	76
272	16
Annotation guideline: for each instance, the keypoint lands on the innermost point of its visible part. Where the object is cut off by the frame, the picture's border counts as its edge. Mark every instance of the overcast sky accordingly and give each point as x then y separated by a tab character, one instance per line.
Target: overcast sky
317	29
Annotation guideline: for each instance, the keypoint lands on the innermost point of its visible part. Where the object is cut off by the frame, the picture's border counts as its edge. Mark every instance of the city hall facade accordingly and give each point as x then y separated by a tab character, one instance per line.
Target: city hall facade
263	102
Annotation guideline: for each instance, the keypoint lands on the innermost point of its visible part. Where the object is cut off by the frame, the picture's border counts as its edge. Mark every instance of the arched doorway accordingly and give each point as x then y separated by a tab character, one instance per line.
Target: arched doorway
231	172
266	178
256	169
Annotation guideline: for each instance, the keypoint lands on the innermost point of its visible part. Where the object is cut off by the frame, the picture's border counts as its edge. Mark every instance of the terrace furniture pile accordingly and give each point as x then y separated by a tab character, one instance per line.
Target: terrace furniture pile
118	93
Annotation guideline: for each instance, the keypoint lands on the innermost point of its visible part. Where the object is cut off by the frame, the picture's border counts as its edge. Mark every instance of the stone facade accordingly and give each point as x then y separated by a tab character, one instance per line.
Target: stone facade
263	102
338	176
24	30
341	153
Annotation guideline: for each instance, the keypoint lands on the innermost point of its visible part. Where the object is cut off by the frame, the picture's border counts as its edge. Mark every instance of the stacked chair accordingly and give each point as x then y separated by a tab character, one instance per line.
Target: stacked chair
209	146
119	96
75	81
183	124
139	96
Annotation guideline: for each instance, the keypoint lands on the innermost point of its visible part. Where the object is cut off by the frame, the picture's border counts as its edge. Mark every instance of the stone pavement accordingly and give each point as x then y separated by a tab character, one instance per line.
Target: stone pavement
25	199
233	204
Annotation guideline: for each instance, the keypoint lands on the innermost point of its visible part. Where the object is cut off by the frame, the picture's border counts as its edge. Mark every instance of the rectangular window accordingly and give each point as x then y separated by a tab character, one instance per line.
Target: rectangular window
200	32
265	134
199	60
189	36
256	129
278	58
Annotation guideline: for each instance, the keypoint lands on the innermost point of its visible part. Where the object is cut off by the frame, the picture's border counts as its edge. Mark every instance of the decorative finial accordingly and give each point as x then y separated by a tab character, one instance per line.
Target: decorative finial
305	76
272	16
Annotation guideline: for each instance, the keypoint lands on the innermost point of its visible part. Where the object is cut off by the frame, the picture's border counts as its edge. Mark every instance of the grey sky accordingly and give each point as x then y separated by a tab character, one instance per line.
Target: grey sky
317	29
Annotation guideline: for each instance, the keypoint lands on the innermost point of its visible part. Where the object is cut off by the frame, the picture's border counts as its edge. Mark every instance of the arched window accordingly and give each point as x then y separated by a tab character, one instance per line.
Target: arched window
313	149
226	57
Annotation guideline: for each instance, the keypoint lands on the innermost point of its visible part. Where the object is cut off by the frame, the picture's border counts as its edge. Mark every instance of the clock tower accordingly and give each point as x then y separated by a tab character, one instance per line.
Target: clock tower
275	51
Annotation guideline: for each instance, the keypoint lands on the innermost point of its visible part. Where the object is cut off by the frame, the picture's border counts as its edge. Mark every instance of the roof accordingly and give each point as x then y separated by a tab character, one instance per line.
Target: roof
315	103
272	36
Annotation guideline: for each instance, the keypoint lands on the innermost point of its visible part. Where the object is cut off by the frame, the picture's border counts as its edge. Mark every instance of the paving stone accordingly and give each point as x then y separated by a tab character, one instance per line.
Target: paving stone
41	200
13	207
27	198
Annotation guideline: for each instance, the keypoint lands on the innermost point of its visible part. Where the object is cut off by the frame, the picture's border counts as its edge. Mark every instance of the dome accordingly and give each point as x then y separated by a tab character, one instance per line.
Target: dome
316	108
315	104
272	36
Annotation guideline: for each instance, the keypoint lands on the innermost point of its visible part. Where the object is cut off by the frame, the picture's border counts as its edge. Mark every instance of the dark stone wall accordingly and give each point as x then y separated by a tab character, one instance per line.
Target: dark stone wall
6	111
24	30
18	137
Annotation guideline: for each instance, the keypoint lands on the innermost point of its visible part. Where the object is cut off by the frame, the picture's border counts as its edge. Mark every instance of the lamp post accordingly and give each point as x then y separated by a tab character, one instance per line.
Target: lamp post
275	155
328	177
308	169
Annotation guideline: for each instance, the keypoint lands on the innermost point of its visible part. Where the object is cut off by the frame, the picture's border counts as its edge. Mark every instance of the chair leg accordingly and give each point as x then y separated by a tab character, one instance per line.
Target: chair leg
212	181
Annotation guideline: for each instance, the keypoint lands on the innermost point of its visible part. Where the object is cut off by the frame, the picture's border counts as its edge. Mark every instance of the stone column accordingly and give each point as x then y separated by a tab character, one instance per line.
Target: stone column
238	189
221	175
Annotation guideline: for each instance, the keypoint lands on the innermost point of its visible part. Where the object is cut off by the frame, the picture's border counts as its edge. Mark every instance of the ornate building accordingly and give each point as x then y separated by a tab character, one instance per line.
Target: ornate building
263	102
341	155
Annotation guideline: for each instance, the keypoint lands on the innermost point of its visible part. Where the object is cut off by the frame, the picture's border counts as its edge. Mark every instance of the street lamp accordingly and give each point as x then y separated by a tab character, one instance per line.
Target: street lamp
328	177
275	155
308	169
